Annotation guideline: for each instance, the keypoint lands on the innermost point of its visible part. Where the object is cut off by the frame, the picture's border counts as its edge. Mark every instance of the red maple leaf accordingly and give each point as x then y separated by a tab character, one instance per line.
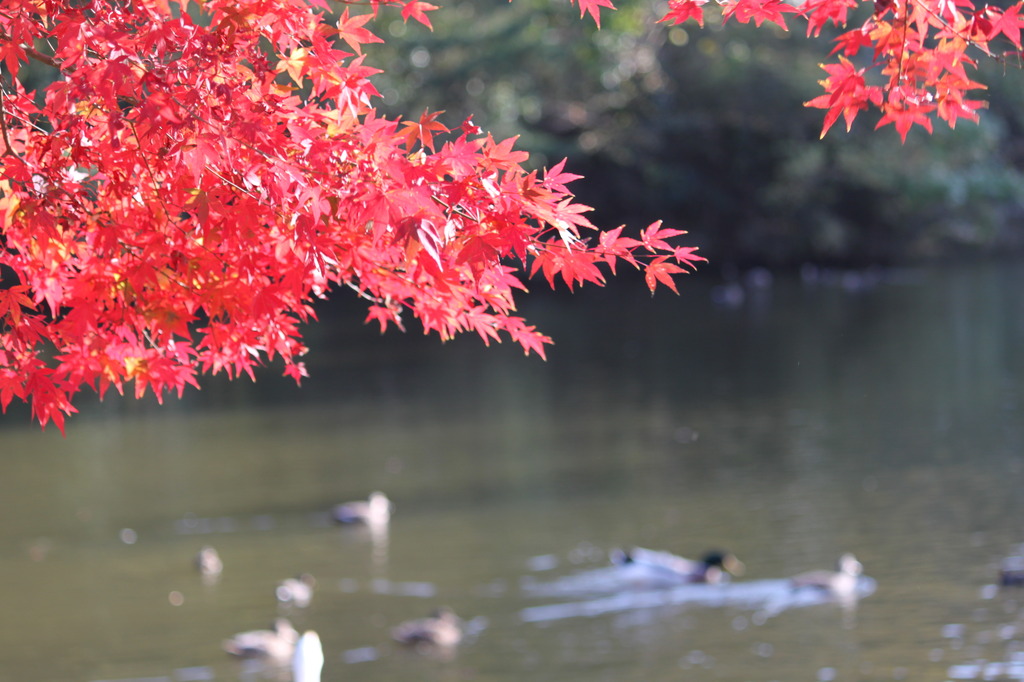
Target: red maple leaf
423	130
528	337
820	12
556	178
12	301
653	237
502	155
660	271
615	246
593	8
679	11
350	29
416	9
1009	23
758	11
905	116
847	93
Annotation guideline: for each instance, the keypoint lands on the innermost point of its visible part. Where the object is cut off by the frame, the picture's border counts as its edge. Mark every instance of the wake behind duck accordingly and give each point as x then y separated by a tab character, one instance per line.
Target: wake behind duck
617	588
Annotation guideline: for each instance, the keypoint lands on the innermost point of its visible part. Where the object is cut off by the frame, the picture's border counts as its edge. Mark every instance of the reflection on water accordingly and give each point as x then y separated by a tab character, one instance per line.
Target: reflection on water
801	421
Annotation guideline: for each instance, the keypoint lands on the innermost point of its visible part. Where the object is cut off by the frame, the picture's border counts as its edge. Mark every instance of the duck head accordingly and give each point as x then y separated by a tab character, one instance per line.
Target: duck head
724	561
849	565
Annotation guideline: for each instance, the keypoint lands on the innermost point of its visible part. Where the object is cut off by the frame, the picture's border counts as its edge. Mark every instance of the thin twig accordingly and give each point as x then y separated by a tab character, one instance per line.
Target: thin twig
3	126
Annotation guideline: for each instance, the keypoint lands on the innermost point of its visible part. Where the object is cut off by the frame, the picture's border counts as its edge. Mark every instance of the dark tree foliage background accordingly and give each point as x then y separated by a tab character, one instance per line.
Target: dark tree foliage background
706	130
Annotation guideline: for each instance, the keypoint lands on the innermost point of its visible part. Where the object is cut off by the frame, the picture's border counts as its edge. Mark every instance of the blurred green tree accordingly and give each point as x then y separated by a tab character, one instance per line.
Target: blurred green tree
705	128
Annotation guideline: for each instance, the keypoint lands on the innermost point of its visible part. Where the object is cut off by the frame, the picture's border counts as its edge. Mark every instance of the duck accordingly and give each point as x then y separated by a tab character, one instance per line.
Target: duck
442	628
841	581
308	659
277	643
1011	571
297	591
665	568
376	510
208	562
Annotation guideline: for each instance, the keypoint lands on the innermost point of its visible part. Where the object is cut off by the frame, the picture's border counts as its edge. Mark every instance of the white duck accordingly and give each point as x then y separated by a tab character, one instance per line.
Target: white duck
376	510
842	581
297	591
277	644
208	562
308	660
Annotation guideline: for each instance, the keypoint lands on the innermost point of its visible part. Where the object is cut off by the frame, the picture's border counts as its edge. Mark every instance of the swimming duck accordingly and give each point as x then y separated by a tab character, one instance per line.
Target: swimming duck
308	660
278	643
665	568
1011	571
374	510
208	562
297	591
442	628
841	581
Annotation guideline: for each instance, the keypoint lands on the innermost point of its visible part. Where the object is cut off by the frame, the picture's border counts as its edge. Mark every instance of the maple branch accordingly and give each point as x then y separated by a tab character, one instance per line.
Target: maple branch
235	186
29	122
959	34
33	52
903	46
362	293
149	169
3	126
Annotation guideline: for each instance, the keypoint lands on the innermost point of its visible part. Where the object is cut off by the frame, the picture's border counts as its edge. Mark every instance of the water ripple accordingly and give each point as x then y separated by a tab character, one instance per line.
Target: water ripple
770	597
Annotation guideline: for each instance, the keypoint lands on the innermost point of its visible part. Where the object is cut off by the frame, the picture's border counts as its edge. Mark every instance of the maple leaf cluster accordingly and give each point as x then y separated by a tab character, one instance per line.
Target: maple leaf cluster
199	173
908	59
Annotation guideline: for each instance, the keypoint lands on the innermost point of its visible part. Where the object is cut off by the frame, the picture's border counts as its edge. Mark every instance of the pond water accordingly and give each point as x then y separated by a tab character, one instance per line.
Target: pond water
787	421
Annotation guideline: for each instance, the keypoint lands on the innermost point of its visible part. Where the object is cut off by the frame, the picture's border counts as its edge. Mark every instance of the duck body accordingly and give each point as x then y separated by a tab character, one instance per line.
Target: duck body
297	591
376	510
841	581
308	660
277	643
442	628
208	562
1011	571
655	567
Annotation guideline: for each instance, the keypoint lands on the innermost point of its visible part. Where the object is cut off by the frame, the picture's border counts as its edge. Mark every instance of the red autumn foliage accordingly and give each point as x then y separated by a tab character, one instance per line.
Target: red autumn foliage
199	173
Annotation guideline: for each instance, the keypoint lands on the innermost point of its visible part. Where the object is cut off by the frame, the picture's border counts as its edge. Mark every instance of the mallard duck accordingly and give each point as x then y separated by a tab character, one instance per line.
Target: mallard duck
841	581
208	562
376	510
1011	571
442	628
278	643
663	567
297	591
308	660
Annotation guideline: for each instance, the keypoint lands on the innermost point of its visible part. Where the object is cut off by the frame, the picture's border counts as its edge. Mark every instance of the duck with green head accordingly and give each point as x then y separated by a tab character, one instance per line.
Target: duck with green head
654	568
